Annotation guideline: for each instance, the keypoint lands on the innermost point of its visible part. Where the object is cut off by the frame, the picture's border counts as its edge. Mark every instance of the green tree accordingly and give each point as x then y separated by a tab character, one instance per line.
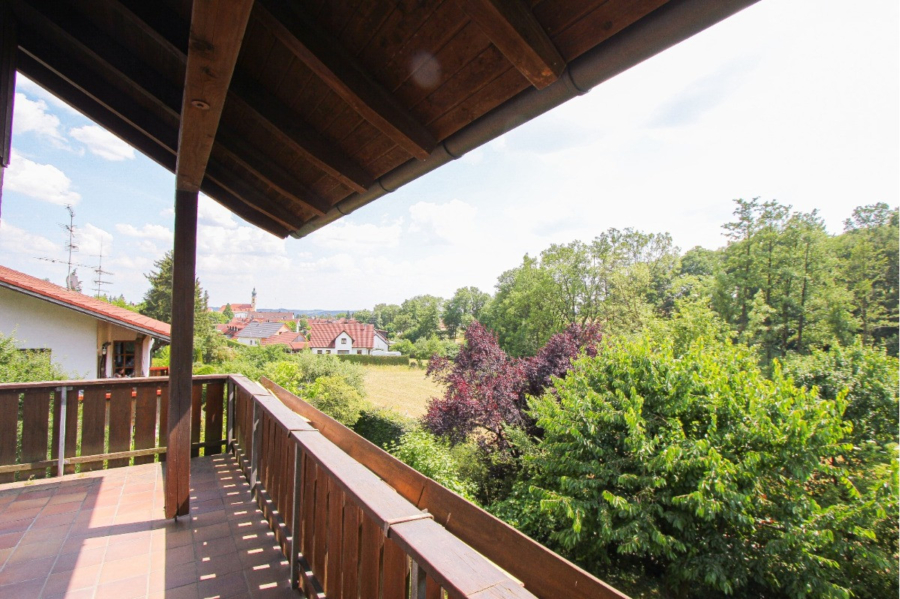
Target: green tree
366	316
674	454
433	458
465	306
228	312
419	316
384	315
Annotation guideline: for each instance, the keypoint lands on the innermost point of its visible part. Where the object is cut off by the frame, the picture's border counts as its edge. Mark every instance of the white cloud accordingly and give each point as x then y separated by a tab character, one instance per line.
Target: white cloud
14	240
360	237
93	241
449	221
103	143
32	116
42	182
35	90
148	231
211	213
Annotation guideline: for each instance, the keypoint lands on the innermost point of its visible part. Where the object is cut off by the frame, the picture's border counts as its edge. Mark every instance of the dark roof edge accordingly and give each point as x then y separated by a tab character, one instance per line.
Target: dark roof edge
663	28
86	312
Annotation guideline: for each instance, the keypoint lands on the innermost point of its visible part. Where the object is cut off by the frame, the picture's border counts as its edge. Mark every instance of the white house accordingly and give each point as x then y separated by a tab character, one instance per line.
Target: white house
86	337
345	338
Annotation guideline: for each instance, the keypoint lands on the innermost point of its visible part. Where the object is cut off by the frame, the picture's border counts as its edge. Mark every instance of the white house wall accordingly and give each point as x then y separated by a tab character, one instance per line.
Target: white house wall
38	324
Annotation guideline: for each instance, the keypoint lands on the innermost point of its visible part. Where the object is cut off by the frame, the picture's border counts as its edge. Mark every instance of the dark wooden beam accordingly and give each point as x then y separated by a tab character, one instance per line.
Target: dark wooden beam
170	34
178	445
217	30
512	27
8	49
147	132
343	74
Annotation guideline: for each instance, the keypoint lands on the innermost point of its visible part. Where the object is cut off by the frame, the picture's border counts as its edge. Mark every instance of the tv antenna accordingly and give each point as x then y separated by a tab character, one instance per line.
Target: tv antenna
99	282
70	245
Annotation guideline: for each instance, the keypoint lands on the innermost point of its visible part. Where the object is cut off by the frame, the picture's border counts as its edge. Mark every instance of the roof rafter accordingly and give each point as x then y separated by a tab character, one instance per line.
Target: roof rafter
61	20
167	30
345	76
217	30
512	27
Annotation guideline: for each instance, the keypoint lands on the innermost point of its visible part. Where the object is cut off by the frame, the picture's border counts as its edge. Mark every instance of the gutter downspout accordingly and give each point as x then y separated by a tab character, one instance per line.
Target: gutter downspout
663	28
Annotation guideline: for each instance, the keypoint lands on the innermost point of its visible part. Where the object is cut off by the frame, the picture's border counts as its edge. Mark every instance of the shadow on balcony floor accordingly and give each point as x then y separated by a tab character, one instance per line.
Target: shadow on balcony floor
103	535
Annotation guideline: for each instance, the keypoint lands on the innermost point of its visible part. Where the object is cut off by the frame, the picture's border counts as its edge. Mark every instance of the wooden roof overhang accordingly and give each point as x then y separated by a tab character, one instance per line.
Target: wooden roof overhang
333	103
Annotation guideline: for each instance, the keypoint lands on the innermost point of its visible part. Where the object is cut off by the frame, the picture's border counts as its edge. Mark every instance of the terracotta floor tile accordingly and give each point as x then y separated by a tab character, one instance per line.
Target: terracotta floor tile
11	539
79	578
50	534
129	588
26	553
83	558
36	569
9	515
126	567
29	588
68	498
186	592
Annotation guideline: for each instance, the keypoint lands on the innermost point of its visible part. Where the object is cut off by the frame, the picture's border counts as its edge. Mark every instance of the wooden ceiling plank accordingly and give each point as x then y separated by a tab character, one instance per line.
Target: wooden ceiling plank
281	121
77	35
150	147
273	173
513	28
343	74
277	118
217	30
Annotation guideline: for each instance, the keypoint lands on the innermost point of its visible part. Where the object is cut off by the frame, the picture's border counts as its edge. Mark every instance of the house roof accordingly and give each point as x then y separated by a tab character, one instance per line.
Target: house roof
260	330
295	341
237	307
324	334
18	281
333	104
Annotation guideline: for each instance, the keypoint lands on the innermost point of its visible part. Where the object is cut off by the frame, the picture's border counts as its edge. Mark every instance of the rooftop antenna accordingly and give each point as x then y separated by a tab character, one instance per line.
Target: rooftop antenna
99	282
71	246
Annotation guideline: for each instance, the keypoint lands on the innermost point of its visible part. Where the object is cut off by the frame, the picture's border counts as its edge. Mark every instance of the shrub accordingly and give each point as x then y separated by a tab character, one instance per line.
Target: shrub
433	458
334	396
22	366
376	360
691	463
383	426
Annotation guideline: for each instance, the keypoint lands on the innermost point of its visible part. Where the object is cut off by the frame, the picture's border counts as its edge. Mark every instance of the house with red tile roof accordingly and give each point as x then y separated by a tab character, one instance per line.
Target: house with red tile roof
86	337
294	341
345	338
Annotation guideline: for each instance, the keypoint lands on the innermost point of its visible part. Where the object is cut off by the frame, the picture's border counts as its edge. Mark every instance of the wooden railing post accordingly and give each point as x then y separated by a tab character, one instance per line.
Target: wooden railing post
229	414
417	582
61	442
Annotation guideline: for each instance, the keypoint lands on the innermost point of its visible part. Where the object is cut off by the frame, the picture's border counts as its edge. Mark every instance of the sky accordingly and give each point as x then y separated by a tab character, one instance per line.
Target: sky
791	100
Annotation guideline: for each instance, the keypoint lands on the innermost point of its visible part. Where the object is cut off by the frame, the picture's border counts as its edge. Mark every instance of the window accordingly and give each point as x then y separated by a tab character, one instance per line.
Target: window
318	351
359	351
123	358
343	341
343	351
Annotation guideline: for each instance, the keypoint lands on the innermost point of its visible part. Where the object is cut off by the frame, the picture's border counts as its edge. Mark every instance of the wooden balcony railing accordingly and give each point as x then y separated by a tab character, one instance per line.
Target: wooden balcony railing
352	519
49	428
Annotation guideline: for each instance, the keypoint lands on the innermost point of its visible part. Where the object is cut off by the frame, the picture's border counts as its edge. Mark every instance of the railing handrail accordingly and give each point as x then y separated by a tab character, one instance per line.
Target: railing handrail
454	565
543	571
124	381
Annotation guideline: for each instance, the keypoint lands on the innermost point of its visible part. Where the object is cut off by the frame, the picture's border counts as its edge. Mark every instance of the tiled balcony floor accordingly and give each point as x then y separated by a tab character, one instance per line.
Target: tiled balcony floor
103	535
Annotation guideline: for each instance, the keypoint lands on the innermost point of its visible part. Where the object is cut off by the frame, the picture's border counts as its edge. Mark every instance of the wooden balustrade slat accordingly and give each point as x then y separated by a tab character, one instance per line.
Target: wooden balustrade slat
163	418
119	423
377	499
335	523
93	425
350	551
196	415
9	418
35	436
215	393
432	588
394	570
370	558
321	523
145	410
309	503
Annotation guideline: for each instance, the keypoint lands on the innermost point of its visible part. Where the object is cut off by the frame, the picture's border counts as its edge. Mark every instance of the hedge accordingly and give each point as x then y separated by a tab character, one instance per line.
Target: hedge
376	360
383	426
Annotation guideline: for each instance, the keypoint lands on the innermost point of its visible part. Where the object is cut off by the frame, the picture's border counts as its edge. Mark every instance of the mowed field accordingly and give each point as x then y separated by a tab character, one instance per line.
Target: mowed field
400	388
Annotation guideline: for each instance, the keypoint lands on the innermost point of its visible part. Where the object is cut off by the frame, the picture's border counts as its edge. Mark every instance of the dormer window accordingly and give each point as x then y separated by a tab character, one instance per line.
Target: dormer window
343	341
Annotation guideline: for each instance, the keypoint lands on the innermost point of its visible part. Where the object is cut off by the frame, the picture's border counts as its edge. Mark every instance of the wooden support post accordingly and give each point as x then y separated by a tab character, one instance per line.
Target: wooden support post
178	454
8	47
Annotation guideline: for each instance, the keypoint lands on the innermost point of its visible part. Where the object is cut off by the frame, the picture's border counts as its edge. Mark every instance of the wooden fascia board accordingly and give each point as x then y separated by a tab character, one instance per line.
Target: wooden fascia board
512	27
217	30
345	76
